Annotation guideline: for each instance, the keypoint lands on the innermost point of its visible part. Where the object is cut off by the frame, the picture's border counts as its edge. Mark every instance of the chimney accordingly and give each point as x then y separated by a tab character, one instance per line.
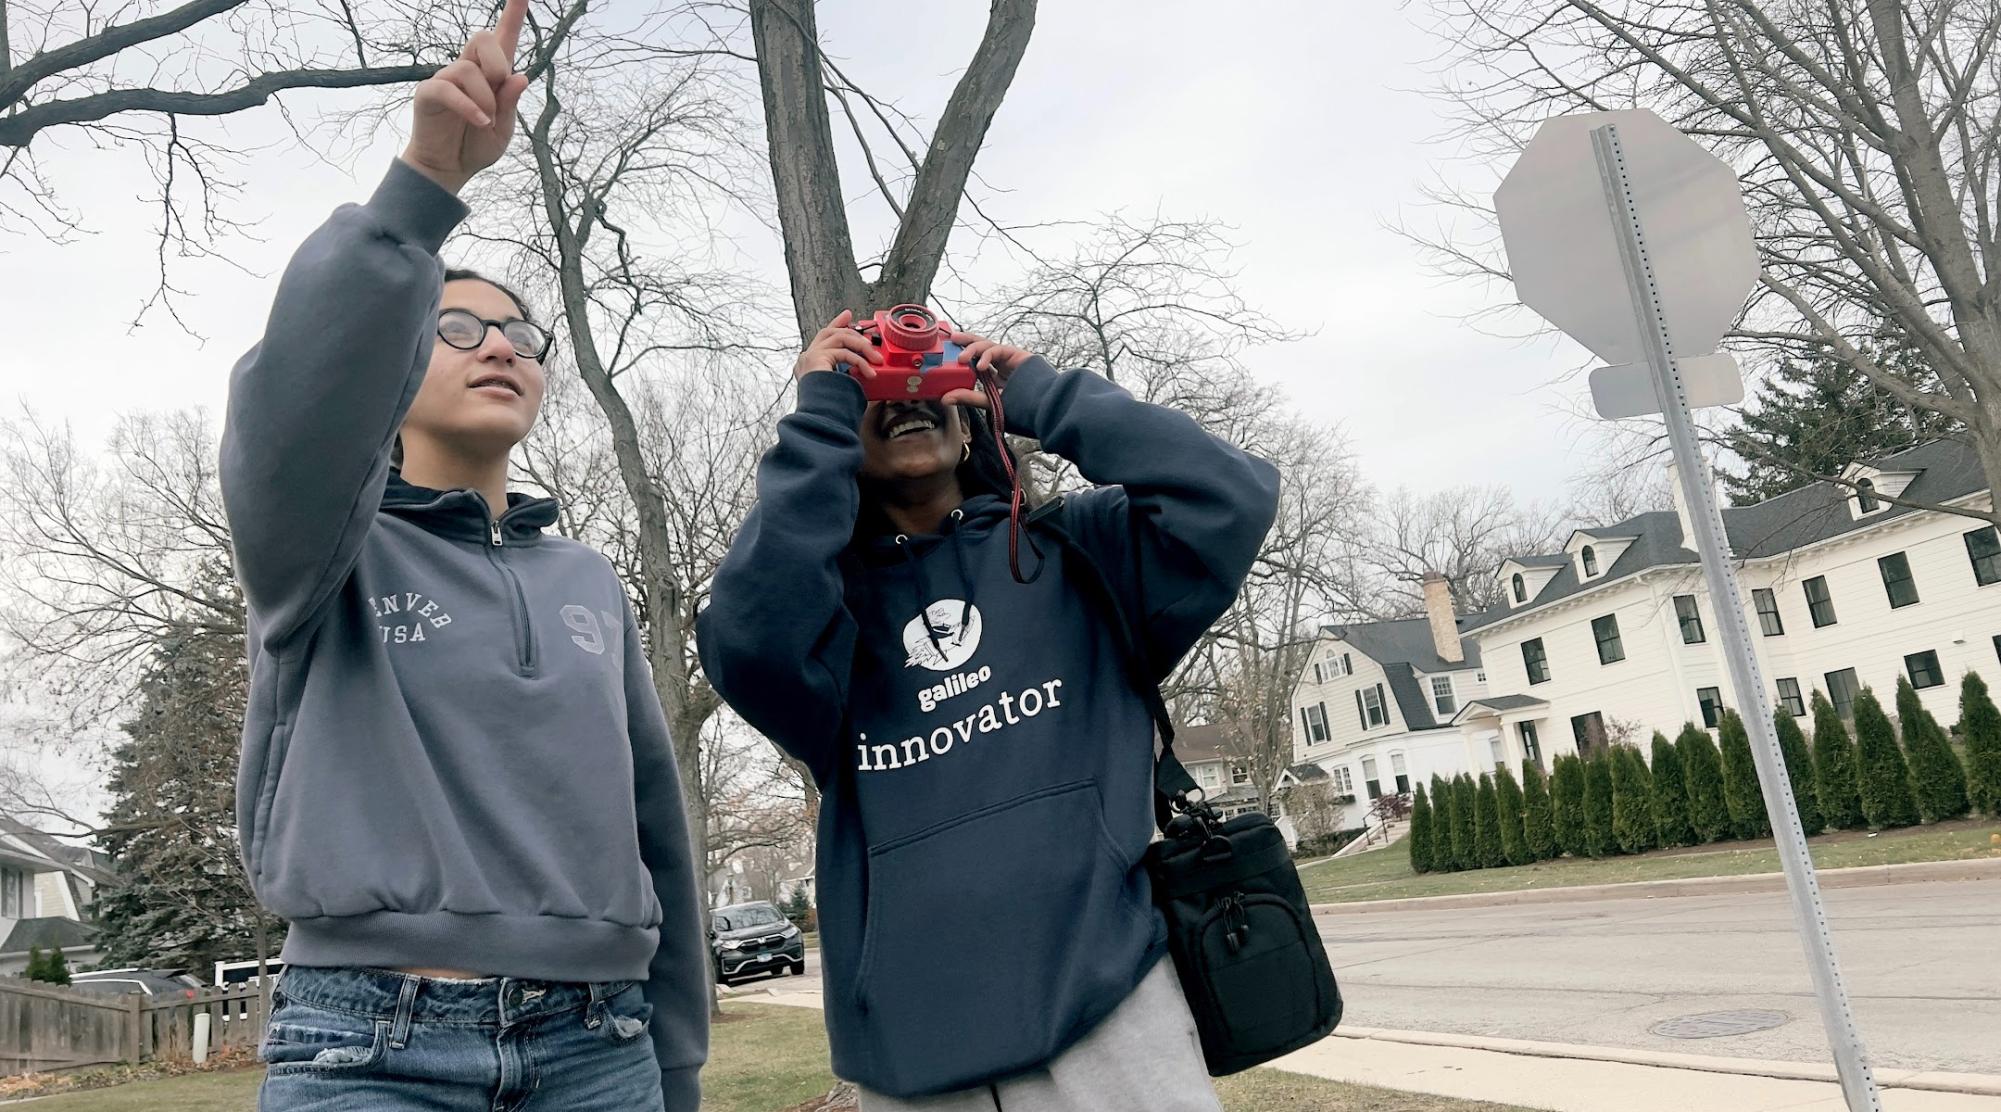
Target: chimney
1444	624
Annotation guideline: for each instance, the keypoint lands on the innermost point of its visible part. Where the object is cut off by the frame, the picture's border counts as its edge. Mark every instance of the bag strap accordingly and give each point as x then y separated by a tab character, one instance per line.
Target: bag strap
1174	790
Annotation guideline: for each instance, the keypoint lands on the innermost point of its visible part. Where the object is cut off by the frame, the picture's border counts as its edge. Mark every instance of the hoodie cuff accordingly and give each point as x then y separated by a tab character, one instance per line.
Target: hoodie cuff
1023	396
832	394
681	1089
414	209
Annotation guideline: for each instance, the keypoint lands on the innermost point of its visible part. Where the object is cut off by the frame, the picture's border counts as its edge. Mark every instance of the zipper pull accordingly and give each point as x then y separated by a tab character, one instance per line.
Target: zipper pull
493	530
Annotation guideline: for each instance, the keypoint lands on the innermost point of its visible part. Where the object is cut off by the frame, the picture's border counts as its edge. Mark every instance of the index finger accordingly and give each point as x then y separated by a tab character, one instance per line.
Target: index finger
508	30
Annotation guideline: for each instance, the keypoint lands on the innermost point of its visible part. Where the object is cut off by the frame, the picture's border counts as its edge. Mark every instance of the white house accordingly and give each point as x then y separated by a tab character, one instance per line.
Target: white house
1377	703
46	889
1617	633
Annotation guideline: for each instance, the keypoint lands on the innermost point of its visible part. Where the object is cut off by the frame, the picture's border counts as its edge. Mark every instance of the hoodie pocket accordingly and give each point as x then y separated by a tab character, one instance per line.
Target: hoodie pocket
986	938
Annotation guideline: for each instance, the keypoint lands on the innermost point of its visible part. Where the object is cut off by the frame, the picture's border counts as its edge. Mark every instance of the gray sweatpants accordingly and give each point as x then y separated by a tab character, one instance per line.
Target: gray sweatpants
1145	1057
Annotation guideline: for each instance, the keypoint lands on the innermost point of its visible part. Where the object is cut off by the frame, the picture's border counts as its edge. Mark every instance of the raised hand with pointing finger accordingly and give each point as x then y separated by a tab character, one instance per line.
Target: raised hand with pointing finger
463	115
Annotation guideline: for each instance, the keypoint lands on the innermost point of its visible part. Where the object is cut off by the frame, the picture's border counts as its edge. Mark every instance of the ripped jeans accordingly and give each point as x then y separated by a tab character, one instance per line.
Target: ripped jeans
367	1040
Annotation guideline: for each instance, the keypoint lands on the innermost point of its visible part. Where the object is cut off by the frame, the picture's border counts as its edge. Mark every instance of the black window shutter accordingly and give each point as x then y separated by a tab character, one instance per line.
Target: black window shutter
1360	714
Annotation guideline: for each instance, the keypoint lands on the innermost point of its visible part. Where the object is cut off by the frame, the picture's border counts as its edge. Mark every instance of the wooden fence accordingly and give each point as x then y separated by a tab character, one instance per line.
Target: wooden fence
45	1028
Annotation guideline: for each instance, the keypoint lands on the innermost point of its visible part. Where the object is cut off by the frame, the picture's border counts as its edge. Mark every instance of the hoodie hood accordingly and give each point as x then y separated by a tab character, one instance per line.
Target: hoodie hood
465	515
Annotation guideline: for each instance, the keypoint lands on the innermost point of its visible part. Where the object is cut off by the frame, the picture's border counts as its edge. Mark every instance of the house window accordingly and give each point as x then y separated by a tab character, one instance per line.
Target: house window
1373	714
1768	612
1983	548
1897	581
1606	631
1344	781
1711	701
1865	497
1369	780
1314	718
12	884
1240	774
1480	677
1208	777
1690	618
1442	697
1842	688
1924	669
1590	561
1789	697
1347	664
1397	770
1531	746
1818	602
1588	731
1494	750
1535	661
1521	589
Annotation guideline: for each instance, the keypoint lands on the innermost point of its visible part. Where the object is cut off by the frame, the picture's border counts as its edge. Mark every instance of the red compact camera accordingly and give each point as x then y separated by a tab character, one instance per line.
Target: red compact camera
919	359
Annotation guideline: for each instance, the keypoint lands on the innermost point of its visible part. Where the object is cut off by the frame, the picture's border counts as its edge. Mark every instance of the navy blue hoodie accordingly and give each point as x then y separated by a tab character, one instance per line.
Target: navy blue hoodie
984	764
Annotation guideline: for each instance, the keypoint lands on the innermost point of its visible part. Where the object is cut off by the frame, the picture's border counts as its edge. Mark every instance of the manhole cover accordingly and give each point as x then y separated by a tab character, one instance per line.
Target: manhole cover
1710	1025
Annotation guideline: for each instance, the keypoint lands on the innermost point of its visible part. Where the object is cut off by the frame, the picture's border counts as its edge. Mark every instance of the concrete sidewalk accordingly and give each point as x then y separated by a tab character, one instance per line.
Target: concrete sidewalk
1584	1085
1860	876
1561	1077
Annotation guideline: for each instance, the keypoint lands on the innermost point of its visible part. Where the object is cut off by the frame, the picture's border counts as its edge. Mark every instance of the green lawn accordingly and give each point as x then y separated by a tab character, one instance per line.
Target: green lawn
1385	874
767	1058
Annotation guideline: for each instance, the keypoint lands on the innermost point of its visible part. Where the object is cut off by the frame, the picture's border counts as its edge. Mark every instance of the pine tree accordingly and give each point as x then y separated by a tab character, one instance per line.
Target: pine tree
1599	837
1817	415
1670	795
1887	798
1702	771
1632	803
1799	771
1487	824
55	968
1420	831
38	964
1837	778
1936	775
1538	822
1980	728
1742	797
1566	796
180	898
1443	858
1509	801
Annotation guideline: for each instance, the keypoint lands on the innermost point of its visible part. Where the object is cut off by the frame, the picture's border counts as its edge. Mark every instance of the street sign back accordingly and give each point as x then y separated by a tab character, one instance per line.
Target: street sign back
1564	253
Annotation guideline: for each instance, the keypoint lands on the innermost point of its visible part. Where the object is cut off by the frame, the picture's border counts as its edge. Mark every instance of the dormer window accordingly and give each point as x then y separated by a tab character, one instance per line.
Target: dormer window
1521	590
1865	497
1590	558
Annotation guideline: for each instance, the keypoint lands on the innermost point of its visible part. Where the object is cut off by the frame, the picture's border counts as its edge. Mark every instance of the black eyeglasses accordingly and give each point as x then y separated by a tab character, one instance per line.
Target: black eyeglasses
466	330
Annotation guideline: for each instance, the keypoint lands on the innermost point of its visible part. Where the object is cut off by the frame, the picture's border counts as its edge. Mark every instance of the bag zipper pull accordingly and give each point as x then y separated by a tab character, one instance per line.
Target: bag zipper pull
1236	925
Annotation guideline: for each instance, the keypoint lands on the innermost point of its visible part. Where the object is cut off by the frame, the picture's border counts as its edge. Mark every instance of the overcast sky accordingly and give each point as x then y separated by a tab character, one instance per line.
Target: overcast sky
1303	125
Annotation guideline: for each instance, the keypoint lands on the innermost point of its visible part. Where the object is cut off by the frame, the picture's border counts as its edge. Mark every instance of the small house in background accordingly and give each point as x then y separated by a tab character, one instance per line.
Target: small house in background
46	892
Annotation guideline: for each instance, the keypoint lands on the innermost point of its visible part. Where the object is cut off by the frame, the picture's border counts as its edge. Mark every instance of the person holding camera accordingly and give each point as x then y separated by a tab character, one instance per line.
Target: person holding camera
984	760
457	784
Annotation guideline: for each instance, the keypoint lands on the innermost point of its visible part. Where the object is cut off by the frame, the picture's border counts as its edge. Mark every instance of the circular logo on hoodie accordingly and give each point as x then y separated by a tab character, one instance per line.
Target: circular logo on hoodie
944	637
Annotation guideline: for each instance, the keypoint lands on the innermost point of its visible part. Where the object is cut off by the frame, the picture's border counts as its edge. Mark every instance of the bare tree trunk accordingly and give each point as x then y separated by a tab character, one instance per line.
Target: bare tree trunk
812	212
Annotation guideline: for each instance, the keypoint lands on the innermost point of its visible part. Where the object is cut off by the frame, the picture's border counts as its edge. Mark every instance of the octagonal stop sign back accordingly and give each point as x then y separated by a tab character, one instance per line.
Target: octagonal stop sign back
1565	255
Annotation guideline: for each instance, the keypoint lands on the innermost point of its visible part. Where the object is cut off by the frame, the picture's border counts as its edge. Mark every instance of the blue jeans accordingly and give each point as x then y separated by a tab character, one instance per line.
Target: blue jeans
365	1040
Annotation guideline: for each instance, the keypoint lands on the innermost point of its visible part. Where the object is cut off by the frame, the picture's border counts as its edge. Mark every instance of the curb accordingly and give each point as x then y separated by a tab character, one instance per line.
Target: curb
1972	1084
1860	876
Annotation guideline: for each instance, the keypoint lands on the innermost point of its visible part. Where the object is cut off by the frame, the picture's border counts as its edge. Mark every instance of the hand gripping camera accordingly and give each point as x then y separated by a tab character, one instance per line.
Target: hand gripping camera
919	359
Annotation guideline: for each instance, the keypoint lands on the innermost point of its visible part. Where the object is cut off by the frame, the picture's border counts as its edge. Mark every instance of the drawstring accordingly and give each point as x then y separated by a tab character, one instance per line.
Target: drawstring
904	546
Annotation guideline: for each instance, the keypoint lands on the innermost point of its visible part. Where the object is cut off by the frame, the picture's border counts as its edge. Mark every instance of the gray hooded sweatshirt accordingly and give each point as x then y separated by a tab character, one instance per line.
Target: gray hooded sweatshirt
453	754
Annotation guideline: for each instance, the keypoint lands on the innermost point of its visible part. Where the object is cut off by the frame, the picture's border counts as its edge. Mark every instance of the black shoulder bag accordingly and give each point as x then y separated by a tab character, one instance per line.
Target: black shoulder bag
1239	928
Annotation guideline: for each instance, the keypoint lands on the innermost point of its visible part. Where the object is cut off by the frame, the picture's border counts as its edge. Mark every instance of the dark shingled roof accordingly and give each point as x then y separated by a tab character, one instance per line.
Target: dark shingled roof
49	932
1947	470
1405	642
1307	773
1195	744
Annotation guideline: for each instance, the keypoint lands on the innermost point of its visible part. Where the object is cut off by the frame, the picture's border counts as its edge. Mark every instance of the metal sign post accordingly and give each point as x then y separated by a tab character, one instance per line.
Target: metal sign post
1706	520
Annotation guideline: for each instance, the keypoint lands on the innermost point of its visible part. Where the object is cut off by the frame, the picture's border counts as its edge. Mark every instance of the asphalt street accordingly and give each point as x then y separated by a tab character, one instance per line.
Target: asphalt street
1922	963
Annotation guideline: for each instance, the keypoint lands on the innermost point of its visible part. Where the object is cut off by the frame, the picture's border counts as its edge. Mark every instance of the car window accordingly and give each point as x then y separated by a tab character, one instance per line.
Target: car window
758	917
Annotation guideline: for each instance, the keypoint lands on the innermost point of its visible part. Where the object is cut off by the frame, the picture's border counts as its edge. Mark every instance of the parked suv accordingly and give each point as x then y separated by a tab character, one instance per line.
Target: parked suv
753	938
